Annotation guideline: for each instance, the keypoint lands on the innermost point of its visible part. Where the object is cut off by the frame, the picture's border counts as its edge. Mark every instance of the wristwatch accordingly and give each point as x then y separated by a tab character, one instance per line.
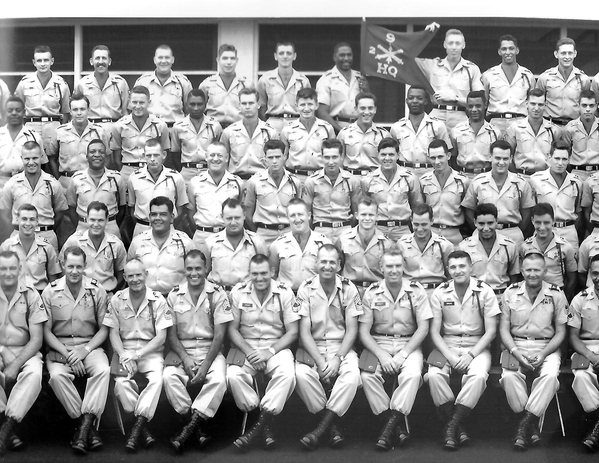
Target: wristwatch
138	353
87	349
341	357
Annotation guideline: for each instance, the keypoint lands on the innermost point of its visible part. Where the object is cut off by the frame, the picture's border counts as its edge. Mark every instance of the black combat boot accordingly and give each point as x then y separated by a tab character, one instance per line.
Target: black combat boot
521	438
80	442
385	439
244	443
312	439
460	412
178	441
132	444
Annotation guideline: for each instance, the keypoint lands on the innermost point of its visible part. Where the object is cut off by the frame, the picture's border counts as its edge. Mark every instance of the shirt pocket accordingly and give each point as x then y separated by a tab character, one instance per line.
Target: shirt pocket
518	315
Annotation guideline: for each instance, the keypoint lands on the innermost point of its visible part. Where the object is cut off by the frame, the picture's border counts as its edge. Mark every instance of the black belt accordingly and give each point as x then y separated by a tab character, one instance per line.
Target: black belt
499	291
524	171
103	119
209	229
506	115
563	223
134	164
42	119
530	338
430	285
301	172
415	165
344	119
142	222
271	226
363	284
558	120
41	227
586	167
449	107
112	218
342	223
195	165
360	171
443	227
392	223
283	116
65	173
393	335
501	226
474	170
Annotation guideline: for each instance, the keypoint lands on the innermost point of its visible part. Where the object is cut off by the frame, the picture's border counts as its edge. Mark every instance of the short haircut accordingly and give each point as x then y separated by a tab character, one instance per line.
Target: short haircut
392	251
438	143
422	209
533	255
95	141
508	38
78	97
27	207
477	94
565	41
153	142
366	201
542	209
42	49
226	47
8	254
418	87
220	144
332	143
259	259
388	142
102	48
232	203
459	254
249	91
453	32
164	46
30	146
485	209
502	145
561	145
306	93
365	96
339	45
588	94
197	92
536	92
195	253
140	89
298	202
74	251
329	247
595	258
162	201
284	44
15	99
97	206
274	144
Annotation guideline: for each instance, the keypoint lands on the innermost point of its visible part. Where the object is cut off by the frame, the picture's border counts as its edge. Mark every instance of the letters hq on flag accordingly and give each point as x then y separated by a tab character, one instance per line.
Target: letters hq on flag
392	55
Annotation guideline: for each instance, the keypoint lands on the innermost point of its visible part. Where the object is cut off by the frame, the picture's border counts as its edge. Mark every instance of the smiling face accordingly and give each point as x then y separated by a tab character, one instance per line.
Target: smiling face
285	56
217	159
306	107
27	223
74	266
344	58
416	101
9	271
14	114
161	219
508	52
439	158
299	218
260	275
535	106
460	270
475	109
486	224
139	104
96	156
500	160
421	224
565	55
366	109
97	223
32	160
533	271
195	271
366	216
227	62
392	267
101	61
594	274
543	225
454	44
135	275
163	60
388	158
327	264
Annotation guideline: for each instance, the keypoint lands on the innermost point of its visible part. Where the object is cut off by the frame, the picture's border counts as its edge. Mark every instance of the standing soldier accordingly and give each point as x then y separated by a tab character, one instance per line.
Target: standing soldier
201	312
138	319
278	88
74	335
191	136
532	328
46	96
506	86
329	306
23	334
464	325
394	324
264	326
582	134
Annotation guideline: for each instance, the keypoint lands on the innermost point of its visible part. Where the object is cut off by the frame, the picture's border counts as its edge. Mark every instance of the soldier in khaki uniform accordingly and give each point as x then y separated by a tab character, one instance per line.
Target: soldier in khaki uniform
464	325
23	315
278	88
584	339
329	306
265	324
394	324
207	192
532	327
416	131
74	335
39	263
443	189
362	138
293	255
582	134
395	189
338	87
332	193
138	319
222	89
191	136
303	137
201	312
96	183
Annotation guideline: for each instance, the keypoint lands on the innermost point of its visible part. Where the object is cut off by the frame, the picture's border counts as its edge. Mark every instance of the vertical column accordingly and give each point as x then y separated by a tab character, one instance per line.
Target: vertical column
78	51
563	32
243	34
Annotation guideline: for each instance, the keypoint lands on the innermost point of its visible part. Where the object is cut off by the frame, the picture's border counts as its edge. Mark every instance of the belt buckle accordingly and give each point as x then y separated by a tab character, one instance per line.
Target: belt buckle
337	224
450	107
499	226
216	229
364	172
588	168
417	165
44	119
478	170
391	223
508	116
281	227
442	226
